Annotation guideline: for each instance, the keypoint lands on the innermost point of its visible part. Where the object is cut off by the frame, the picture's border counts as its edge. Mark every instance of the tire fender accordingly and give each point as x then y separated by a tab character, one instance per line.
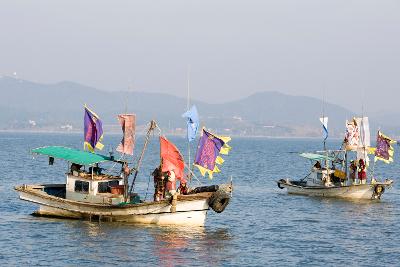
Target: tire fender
281	181
219	200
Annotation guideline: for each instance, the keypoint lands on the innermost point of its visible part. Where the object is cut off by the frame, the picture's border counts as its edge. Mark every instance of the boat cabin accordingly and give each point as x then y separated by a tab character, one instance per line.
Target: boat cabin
94	188
323	175
86	185
319	177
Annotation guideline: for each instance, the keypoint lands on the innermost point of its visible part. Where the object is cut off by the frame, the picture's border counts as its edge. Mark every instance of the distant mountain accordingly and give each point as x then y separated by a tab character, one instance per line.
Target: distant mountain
29	105
388	122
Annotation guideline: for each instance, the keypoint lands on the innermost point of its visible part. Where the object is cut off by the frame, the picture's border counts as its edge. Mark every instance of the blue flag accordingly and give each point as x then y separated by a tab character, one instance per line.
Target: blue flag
324	121
192	122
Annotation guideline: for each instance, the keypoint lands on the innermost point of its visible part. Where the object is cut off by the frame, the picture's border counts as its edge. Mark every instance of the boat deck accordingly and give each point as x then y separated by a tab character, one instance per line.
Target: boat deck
57	192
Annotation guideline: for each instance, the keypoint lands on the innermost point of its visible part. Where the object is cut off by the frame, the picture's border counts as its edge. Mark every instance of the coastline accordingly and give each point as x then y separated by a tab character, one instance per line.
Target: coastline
113	133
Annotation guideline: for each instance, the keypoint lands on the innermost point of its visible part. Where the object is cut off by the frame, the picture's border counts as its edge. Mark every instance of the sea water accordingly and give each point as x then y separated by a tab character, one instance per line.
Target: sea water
262	225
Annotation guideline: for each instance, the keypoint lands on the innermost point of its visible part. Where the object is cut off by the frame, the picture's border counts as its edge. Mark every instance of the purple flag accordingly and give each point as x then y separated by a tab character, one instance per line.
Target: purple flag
93	130
382	147
208	150
384	150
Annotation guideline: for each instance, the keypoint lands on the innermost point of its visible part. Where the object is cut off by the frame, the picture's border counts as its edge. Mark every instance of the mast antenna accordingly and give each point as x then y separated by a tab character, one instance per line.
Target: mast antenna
130	88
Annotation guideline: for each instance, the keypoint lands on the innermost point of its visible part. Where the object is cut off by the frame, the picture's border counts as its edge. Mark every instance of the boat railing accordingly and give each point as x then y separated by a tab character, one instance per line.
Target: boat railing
90	176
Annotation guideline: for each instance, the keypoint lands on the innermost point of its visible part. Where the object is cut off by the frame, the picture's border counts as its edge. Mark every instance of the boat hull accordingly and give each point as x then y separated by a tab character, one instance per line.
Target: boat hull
192	218
189	210
356	191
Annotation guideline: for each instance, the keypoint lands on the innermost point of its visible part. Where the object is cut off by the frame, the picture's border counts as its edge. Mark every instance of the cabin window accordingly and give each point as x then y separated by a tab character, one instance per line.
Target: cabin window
104	187
81	186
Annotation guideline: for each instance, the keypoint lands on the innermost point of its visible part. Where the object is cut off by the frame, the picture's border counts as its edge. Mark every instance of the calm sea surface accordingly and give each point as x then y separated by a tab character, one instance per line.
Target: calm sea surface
261	226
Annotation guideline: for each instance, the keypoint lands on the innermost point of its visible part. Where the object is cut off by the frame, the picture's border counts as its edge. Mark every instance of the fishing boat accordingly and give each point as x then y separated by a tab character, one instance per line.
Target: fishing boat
95	193
331	175
326	182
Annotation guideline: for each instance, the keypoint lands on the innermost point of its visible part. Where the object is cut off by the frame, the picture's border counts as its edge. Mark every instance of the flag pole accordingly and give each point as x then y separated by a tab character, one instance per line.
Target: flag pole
323	113
187	108
323	125
373	166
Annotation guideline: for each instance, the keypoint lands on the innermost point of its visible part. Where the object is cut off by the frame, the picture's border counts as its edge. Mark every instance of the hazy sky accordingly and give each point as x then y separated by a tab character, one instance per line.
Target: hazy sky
349	49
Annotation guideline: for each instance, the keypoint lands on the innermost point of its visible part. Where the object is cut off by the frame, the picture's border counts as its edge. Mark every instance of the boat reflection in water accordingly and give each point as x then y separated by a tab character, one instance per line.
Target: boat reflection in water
165	246
170	242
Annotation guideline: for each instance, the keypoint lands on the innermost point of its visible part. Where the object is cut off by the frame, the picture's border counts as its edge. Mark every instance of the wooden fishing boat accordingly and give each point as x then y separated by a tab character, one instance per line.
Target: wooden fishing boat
333	178
322	182
95	196
358	191
91	194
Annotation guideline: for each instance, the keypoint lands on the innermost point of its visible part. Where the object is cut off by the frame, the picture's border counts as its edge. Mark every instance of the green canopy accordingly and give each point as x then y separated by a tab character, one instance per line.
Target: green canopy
313	156
72	155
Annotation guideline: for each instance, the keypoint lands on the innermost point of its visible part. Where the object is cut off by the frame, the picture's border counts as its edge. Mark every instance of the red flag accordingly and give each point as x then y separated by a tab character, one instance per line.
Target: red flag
172	159
127	144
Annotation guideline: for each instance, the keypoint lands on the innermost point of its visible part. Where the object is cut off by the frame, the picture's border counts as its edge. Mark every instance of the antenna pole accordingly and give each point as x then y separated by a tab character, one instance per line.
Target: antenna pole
127	96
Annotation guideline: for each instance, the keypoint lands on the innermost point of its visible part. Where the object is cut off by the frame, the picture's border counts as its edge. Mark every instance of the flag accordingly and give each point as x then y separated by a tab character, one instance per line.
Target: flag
171	158
207	156
324	121
384	149
365	135
364	142
127	144
192	122
93	130
352	136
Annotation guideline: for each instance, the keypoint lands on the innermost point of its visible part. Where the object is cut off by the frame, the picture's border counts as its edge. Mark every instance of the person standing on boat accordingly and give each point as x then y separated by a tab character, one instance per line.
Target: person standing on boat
317	165
183	188
75	169
171	183
159	184
362	174
353	170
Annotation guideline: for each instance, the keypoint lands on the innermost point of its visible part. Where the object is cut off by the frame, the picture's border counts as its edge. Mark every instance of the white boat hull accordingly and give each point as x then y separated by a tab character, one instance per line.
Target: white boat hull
192	218
356	191
190	210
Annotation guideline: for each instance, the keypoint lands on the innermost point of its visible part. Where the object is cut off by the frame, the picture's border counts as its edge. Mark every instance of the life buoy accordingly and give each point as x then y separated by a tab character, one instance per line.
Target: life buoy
281	181
219	200
379	190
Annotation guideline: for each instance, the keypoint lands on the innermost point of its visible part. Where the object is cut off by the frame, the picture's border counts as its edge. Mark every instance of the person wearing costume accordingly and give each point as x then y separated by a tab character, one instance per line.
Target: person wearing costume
159	184
353	170
317	165
183	188
362	174
170	186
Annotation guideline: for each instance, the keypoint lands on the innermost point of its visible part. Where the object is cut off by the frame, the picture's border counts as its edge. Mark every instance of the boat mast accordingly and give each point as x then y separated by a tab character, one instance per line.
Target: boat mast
346	170
187	108
323	121
126	175
323	115
152	126
328	180
130	89
362	133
